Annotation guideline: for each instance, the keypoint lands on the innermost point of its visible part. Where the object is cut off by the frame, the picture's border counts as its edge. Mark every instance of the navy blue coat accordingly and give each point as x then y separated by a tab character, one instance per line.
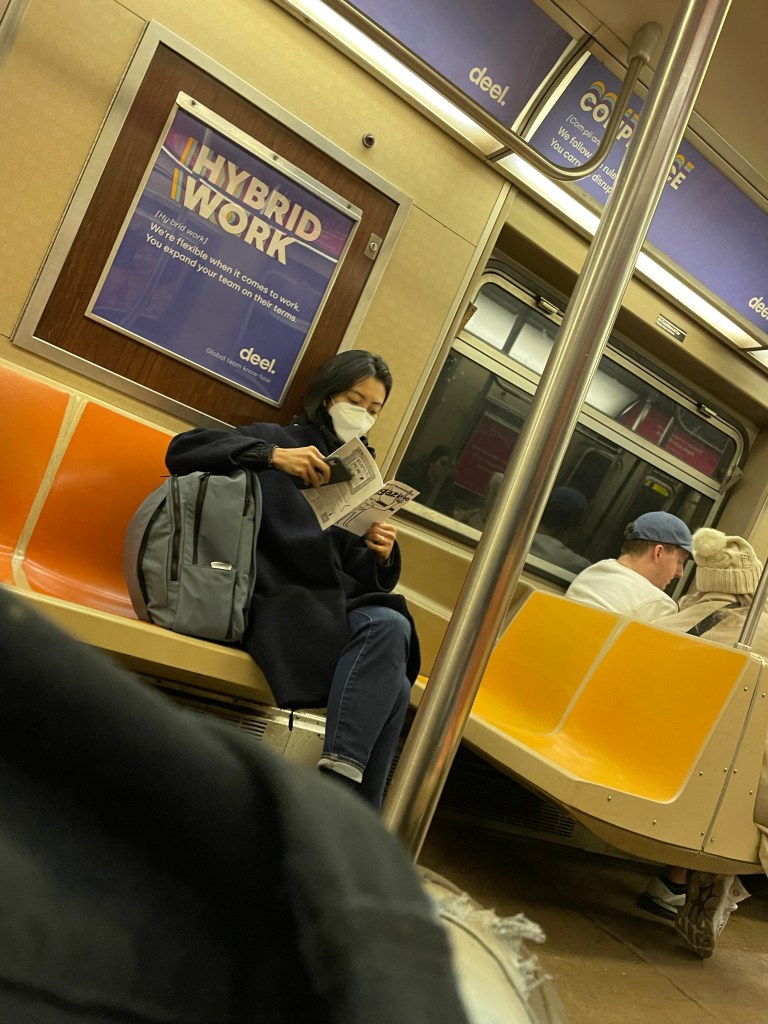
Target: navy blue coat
161	866
307	579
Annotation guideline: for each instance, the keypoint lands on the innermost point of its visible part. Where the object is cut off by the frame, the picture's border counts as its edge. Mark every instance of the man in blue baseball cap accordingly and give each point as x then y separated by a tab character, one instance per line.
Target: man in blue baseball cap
655	549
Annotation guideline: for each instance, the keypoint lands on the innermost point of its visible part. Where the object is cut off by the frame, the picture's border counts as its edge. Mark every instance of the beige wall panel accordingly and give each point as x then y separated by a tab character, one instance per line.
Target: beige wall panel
746	513
55	88
409	310
292	65
60	78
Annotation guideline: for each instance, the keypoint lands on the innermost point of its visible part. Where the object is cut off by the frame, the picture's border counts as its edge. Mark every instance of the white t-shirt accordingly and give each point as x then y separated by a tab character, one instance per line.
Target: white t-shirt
611	585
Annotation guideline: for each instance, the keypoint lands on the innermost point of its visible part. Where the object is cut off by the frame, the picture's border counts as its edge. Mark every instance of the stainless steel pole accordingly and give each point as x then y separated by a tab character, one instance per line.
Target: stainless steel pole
11	23
500	556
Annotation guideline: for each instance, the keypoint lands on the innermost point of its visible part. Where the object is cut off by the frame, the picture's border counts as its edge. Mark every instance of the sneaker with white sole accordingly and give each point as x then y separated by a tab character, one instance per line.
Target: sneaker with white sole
660	900
709	903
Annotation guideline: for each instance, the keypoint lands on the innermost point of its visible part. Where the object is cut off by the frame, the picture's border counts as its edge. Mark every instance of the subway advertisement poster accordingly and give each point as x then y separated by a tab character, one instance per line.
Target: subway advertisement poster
226	256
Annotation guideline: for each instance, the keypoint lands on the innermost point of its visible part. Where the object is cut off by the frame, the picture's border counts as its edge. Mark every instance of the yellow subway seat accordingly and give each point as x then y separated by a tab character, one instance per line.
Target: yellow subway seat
541	662
645	715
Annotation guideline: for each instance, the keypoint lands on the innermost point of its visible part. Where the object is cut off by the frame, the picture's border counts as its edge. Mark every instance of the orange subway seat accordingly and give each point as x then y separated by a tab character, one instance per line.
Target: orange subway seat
76	549
32	414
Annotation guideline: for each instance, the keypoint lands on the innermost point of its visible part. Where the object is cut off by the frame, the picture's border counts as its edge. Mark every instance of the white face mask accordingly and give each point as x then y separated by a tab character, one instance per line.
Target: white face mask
350	420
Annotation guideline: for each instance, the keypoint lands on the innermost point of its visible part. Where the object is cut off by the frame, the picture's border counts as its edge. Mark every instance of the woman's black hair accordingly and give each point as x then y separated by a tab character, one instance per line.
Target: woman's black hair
340	373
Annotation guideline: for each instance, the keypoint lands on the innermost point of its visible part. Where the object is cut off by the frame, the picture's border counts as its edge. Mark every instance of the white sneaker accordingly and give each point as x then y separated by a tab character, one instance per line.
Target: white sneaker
709	902
659	899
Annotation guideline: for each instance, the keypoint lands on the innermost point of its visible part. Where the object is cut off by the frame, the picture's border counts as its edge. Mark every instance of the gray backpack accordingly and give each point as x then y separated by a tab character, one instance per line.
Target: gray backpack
190	554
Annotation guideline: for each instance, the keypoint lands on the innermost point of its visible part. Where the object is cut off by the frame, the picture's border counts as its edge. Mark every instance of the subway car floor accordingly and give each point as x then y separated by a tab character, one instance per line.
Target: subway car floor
609	960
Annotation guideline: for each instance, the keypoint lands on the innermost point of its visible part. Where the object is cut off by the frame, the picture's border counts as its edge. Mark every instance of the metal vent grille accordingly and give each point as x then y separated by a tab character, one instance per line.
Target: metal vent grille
298	738
254	726
477	792
247	718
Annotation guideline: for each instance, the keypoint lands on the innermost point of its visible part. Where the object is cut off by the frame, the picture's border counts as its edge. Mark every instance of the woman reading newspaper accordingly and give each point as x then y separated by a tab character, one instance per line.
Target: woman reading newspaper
324	626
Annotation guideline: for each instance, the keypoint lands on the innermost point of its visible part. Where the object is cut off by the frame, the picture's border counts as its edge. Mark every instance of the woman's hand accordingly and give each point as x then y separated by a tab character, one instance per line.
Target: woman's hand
307	463
381	539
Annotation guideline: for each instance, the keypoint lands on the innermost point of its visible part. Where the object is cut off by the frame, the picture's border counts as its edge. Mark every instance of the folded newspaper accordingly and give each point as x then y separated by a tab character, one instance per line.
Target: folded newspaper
356	504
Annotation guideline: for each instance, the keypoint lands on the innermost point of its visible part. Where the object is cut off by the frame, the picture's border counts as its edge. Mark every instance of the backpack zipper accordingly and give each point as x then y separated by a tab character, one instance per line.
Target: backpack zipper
250	495
203	487
176	538
143	551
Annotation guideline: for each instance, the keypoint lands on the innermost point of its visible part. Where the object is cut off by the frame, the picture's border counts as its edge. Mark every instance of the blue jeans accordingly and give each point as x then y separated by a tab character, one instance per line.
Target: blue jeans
368	699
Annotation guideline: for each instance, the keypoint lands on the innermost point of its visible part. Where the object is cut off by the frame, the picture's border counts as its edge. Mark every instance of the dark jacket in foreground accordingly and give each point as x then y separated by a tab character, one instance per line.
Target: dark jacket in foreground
156	867
307	579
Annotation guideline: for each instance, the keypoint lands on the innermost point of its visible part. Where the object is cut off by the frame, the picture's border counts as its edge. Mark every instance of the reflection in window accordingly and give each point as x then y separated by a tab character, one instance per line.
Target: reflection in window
474	418
556	536
495	317
510	325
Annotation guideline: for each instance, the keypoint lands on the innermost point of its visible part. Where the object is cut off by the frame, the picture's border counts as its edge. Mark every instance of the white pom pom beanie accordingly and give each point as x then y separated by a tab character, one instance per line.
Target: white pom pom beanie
725	564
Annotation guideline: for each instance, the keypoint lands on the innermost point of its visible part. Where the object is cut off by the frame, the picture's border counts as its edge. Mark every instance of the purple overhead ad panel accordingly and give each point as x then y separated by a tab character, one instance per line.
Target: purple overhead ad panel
703	221
498	52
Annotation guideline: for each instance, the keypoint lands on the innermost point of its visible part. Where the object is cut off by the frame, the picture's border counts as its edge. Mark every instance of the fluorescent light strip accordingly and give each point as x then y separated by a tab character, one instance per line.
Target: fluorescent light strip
696	303
578	213
388	66
549	190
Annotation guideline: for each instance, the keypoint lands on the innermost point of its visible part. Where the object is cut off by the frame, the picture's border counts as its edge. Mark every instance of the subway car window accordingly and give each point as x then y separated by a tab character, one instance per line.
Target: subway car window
639	445
509	324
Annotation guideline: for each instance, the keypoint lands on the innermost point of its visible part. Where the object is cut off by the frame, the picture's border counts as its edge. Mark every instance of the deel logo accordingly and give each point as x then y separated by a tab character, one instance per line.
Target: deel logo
249	356
479	76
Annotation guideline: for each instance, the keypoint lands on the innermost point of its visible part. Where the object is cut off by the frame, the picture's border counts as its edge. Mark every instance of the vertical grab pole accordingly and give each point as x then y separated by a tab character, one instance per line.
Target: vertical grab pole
596	300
